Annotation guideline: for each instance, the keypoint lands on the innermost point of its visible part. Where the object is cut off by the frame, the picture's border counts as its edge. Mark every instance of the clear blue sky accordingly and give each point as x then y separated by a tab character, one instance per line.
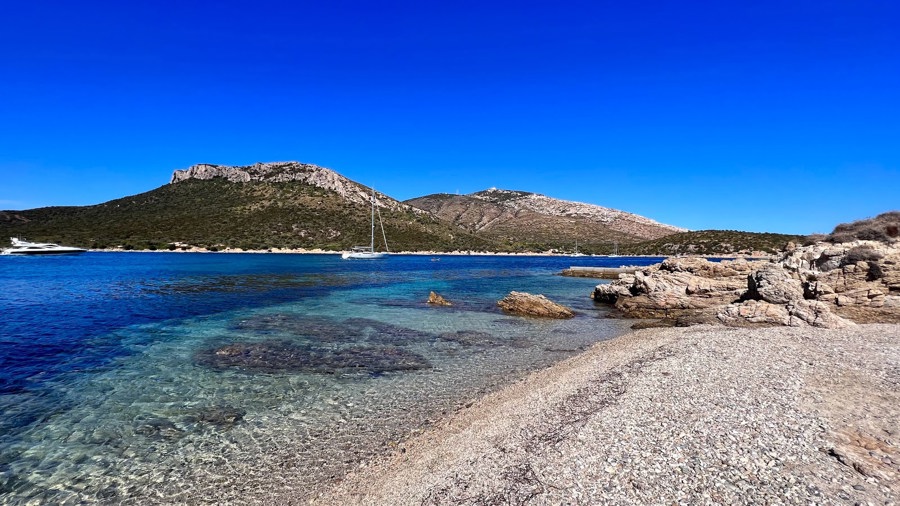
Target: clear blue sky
761	116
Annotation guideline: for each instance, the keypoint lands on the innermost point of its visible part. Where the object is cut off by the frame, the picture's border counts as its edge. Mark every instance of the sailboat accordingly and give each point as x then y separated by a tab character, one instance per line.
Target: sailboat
368	252
577	254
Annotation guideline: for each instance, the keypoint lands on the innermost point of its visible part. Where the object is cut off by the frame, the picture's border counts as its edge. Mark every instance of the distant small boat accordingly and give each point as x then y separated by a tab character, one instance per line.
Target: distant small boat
368	252
23	247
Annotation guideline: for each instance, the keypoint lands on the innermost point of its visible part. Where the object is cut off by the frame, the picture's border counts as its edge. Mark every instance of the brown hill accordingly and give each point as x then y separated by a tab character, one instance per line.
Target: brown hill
524	220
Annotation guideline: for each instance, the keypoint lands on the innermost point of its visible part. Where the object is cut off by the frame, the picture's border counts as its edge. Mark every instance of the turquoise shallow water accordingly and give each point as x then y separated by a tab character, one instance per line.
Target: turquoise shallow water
142	378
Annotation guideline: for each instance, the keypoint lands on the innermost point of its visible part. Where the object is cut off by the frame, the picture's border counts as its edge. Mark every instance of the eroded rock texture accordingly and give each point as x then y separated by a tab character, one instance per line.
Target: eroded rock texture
823	285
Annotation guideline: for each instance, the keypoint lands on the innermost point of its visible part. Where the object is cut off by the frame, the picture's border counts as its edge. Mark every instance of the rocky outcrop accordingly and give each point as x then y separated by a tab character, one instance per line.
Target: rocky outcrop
823	285
282	172
860	274
436	300
526	304
677	285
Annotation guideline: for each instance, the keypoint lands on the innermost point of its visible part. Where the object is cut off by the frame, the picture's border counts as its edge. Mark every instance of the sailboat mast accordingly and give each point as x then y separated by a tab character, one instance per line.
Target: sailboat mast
372	241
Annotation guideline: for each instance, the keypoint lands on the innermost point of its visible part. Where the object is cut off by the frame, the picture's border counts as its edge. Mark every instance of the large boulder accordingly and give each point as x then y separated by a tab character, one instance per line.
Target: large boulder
526	304
610	293
773	284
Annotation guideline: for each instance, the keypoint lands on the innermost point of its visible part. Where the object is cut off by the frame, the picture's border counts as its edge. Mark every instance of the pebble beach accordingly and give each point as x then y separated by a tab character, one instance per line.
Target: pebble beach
698	415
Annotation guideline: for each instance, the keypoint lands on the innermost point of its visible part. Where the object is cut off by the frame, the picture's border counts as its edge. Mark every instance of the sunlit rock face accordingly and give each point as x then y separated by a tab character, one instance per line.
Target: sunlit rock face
282	172
821	285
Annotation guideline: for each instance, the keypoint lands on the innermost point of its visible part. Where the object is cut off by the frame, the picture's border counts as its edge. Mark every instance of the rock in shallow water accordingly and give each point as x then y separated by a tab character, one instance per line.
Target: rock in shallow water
437	300
526	304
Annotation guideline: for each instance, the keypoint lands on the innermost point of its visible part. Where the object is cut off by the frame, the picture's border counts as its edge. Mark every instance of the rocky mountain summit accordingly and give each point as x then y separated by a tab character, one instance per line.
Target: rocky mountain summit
283	172
821	285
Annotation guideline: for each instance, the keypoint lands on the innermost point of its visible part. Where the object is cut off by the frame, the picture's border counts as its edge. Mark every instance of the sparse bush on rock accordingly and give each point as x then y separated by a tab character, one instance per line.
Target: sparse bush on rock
883	228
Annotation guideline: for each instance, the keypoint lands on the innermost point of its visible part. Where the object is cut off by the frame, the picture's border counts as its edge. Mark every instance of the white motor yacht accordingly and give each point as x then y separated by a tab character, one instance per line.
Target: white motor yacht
23	247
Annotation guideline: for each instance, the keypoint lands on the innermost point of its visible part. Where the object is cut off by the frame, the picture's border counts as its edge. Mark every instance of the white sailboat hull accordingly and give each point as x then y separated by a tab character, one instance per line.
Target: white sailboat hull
362	255
368	252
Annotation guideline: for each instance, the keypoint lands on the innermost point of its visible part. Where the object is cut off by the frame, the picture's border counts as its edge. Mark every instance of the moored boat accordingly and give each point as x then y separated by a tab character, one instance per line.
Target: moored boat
368	252
23	247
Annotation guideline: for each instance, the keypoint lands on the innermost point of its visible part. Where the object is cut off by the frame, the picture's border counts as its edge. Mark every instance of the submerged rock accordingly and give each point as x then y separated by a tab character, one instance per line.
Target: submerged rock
160	428
526	304
476	338
319	329
286	356
219	416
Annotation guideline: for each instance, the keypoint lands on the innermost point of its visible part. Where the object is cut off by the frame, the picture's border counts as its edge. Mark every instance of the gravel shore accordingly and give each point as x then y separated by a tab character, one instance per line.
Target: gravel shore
699	415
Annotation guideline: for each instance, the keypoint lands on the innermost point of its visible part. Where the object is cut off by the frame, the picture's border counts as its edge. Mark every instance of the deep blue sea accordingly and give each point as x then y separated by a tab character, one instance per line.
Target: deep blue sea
137	378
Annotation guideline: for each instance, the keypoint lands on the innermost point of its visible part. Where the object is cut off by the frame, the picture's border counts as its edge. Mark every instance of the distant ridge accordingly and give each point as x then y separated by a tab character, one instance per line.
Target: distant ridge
294	205
534	221
621	221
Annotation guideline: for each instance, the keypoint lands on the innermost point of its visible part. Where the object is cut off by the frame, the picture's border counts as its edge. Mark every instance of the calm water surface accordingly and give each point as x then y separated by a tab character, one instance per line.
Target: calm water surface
140	378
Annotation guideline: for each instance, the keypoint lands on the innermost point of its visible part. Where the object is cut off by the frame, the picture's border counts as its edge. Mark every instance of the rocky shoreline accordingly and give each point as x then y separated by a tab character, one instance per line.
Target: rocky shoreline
822	285
706	414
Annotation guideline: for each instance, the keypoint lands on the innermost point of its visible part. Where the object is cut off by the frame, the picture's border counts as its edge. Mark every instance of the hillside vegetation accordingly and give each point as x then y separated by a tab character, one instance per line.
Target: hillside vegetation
712	242
216	214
